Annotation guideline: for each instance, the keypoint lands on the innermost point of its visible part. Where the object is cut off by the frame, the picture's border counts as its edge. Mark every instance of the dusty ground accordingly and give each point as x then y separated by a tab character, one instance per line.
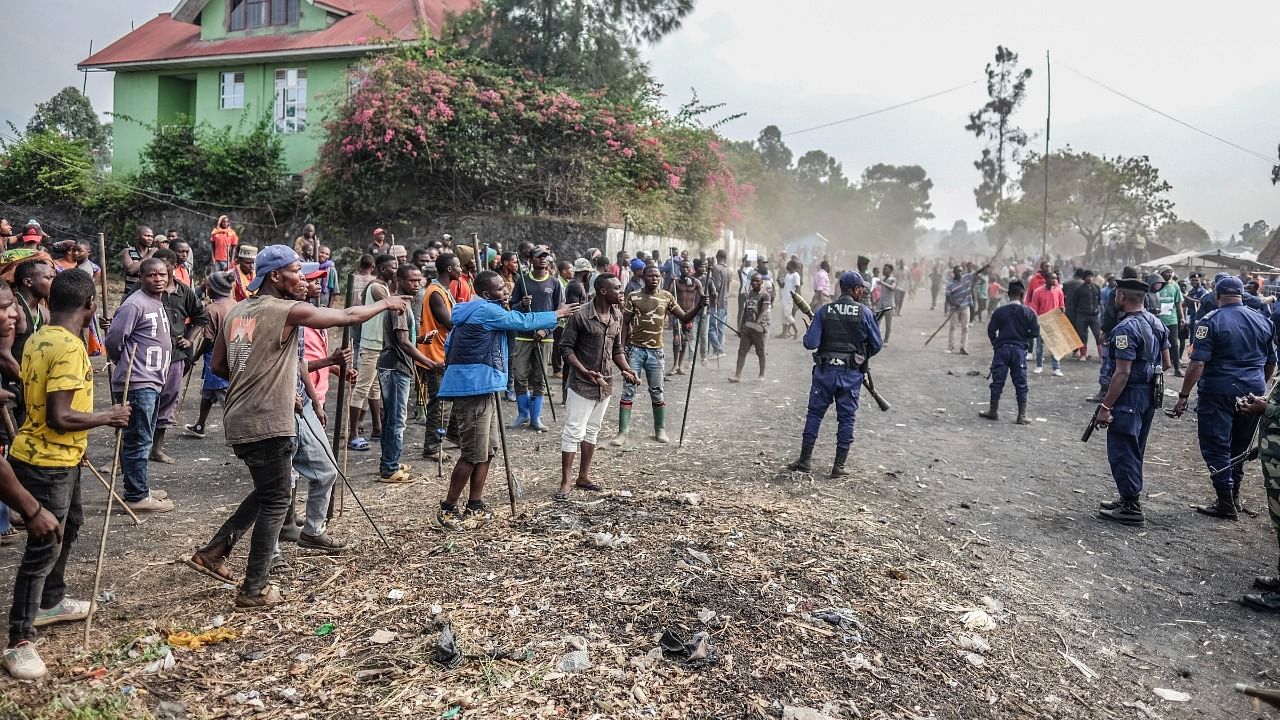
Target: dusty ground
946	514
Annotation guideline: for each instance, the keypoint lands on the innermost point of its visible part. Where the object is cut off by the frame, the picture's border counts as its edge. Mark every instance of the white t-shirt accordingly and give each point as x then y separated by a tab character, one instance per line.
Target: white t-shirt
790	283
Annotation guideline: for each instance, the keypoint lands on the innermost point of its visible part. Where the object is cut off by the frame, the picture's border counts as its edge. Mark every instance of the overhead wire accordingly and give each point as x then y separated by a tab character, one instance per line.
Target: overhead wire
1161	113
879	111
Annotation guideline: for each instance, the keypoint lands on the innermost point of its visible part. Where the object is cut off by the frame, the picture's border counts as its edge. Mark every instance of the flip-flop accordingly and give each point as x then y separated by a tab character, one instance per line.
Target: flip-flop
561	497
359	444
209	572
589	487
396	478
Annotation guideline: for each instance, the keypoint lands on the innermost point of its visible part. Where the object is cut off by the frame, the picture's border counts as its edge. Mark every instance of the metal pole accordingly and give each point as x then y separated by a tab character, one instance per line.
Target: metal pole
340	422
1044	227
626	225
693	367
506	459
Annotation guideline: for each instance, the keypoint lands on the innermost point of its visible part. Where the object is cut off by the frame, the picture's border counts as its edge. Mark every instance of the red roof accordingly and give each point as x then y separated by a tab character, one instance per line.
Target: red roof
164	40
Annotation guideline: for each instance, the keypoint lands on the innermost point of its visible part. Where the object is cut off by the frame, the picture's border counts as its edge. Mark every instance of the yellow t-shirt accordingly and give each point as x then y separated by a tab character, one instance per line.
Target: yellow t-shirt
53	360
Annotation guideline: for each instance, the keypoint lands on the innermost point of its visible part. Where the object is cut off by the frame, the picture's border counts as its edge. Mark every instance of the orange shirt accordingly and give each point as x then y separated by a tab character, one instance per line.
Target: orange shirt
460	289
434	350
222	241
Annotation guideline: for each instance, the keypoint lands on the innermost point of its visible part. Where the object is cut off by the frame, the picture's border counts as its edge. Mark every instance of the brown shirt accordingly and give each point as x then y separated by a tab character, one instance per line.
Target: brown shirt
594	340
263	364
648	315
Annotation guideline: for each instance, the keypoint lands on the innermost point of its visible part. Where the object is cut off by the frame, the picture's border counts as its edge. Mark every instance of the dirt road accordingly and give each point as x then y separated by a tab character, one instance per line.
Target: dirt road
948	520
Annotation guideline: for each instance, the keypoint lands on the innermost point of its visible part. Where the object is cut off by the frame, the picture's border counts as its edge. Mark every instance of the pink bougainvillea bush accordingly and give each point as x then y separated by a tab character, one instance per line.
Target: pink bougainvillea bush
425	130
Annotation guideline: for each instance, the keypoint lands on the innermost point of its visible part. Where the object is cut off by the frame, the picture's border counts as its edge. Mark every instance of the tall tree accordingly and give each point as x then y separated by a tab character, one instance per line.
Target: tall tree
1183	235
774	153
992	123
897	198
70	114
589	43
1091	195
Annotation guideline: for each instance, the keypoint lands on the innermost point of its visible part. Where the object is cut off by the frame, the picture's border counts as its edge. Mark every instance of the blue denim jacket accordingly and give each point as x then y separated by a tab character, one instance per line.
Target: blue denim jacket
476	353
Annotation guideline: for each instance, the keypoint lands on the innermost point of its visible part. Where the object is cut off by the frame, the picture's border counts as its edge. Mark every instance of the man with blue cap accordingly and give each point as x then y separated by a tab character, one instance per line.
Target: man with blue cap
844	335
1138	349
1234	355
257	350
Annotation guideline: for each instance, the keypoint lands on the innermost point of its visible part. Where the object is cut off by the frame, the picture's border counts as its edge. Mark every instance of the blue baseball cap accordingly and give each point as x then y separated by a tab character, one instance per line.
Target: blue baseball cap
1229	286
270	259
637	265
852	279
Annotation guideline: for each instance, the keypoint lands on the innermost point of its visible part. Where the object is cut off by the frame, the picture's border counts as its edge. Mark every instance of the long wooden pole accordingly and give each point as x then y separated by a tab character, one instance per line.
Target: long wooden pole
102	260
340	422
1044	222
111	496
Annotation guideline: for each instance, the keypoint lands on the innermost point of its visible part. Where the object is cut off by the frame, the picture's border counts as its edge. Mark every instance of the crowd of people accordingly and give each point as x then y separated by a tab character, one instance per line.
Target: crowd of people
448	332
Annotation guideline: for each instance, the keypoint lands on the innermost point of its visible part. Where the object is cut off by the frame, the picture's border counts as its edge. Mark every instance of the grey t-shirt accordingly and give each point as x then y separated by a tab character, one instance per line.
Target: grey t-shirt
263	364
392	356
140	322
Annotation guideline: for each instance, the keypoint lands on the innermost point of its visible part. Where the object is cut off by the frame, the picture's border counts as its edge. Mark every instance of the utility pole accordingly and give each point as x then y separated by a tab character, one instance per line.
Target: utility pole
1048	117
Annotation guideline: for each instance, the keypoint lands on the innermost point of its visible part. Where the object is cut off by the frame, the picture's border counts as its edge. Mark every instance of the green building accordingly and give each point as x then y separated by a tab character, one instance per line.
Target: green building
230	62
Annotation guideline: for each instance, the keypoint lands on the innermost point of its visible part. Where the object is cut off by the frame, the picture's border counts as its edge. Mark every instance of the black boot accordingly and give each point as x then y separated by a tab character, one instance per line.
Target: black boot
992	412
804	464
1223	507
1236	502
1022	414
1129	512
1266	602
837	468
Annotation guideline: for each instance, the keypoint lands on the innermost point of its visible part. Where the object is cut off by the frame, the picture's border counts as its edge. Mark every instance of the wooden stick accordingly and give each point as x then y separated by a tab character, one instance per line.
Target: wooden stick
111	490
102	260
106	521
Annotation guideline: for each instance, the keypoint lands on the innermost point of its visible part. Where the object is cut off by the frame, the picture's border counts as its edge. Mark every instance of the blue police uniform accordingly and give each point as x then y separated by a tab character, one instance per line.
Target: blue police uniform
1134	338
1011	330
1235	344
844	333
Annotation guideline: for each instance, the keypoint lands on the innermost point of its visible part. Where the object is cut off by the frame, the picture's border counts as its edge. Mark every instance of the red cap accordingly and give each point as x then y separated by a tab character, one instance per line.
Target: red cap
379	231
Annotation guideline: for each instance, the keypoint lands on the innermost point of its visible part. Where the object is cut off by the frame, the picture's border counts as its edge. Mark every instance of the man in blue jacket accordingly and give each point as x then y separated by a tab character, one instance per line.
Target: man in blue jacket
476	363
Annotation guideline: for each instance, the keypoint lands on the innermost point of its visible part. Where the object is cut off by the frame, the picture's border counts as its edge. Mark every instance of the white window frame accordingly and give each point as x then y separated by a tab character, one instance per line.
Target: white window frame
231	90
291	101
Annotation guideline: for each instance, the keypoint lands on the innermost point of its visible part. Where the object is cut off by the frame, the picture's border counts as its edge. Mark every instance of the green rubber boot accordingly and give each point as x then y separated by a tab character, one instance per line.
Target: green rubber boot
659	420
624	426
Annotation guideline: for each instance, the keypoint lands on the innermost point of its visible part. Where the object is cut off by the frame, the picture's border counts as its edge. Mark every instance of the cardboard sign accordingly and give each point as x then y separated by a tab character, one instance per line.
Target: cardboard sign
1060	338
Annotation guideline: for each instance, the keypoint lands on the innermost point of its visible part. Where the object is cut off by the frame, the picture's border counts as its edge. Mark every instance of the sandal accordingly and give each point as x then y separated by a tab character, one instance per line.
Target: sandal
589	487
9	537
358	443
197	562
267	598
399	476
561	497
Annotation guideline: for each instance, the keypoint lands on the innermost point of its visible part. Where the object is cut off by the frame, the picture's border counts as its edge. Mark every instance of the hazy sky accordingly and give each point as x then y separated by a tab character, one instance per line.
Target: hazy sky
807	62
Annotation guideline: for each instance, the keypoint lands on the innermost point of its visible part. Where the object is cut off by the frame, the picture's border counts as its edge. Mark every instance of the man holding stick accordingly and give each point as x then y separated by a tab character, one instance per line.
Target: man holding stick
257	351
46	457
476	369
592	342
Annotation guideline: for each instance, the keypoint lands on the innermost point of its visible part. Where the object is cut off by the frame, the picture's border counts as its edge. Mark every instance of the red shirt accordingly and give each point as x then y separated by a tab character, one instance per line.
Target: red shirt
460	289
223	240
1046	299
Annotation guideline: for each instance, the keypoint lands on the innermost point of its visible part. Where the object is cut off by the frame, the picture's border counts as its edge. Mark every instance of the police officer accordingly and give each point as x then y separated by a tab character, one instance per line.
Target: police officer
1012	328
1137	349
1233	356
844	335
1111	313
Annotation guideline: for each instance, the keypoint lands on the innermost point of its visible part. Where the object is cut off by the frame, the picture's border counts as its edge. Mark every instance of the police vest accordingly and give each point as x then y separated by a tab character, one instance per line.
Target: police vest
842	328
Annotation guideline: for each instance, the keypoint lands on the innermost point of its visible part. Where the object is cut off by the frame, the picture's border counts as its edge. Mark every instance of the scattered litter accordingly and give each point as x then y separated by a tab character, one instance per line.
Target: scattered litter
695	653
447	653
992	604
624	493
573	662
202	459
166	662
689	498
577	642
436	610
251	699
217	621
325	629
973	659
701	557
611	541
1085	670
106	597
1171	695
974	642
791	712
843	618
208	637
706	616
382	637
395	595
1043	420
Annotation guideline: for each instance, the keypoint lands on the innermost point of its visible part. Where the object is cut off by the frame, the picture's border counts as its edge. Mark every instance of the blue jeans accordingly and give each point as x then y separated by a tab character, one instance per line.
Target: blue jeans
649	362
396	387
715	330
136	449
4	518
1040	355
